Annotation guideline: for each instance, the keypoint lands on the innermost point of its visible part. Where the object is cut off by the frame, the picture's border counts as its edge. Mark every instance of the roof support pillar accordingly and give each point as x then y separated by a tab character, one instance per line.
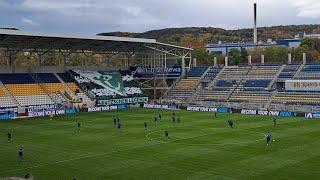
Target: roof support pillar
215	62
38	59
11	58
165	61
289	58
226	61
183	64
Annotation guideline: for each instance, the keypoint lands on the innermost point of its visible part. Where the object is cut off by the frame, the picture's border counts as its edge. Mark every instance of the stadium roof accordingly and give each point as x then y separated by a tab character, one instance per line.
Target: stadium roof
16	39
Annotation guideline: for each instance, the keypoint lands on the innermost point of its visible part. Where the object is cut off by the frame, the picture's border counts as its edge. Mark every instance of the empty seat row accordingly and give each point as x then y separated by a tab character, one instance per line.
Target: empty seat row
65	77
45	78
187	83
2	93
22	78
211	74
257	83
179	94
290	97
209	95
253	96
25	89
196	71
6	101
34	100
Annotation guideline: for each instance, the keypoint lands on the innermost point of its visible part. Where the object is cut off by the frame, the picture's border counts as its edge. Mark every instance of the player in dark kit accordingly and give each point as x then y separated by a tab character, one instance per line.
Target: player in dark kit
79	125
178	119
119	125
166	133
230	122
21	153
215	115
274	122
173	119
173	113
118	120
160	116
9	137
145	126
115	121
155	119
268	137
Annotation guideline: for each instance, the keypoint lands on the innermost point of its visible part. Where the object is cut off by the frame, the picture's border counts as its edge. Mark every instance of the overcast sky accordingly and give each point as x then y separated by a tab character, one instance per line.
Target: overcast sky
95	16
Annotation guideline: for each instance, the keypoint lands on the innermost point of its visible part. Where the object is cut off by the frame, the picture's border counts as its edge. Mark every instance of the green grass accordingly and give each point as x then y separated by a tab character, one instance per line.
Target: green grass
201	147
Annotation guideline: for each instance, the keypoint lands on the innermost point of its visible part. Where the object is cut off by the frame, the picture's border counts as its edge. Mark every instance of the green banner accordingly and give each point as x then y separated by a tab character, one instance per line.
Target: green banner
108	80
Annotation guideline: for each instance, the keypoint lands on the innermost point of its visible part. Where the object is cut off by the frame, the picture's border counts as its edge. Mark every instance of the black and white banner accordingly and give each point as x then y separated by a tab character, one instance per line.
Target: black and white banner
260	112
159	106
203	109
102	108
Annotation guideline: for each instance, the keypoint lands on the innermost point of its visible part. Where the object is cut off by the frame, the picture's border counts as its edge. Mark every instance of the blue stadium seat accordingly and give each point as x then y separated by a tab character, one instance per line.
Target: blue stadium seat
196	71
22	78
65	77
226	83
46	78
257	83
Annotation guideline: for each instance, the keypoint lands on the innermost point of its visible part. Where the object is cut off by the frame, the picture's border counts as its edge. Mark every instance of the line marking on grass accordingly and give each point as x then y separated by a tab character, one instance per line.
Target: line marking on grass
78	158
201	144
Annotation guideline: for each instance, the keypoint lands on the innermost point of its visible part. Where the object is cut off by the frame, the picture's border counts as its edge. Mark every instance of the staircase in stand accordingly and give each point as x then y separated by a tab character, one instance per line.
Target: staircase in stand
66	89
276	77
214	81
298	71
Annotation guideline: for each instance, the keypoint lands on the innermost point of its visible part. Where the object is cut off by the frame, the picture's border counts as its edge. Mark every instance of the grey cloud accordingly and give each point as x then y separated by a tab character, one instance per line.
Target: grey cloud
94	16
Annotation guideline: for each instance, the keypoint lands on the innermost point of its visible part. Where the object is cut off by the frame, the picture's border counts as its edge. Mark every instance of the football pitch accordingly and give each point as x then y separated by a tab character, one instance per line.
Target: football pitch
200	147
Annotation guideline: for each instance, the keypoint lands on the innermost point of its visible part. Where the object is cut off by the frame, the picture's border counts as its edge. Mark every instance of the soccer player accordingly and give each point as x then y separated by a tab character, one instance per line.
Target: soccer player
119	125
9	137
79	125
178	119
21	153
115	122
145	126
173	119
118	120
274	122
166	133
155	119
173	113
215	115
230	121
268	137
160	116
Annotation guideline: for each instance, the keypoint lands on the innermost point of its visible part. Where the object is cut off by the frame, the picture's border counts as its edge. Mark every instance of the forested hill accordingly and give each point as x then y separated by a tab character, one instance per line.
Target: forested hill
210	34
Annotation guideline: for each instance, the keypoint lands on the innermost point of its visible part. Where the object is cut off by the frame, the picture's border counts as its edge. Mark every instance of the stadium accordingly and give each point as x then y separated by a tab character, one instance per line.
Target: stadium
153	115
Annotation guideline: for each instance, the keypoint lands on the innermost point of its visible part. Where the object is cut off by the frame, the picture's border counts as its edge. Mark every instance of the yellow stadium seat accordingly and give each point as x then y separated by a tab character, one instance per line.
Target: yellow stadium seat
25	89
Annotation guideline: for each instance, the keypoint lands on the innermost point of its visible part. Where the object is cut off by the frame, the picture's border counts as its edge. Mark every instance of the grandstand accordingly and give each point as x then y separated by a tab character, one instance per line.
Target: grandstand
68	85
38	91
256	86
161	71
